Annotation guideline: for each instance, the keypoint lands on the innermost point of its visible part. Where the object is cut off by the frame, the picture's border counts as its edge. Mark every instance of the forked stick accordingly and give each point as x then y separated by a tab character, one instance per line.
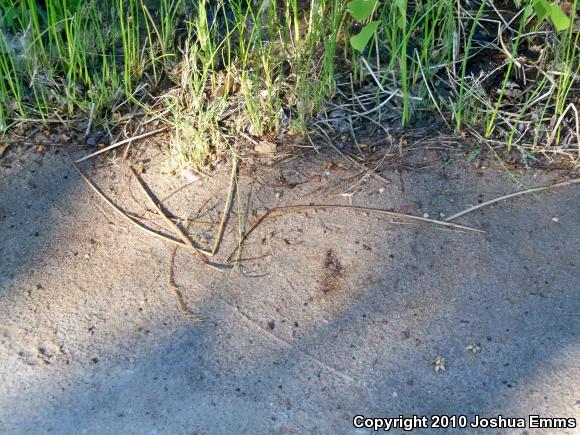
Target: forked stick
123	214
132	220
171	224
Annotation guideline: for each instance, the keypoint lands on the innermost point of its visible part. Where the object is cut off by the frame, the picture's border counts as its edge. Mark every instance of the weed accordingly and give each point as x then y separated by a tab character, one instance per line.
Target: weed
219	68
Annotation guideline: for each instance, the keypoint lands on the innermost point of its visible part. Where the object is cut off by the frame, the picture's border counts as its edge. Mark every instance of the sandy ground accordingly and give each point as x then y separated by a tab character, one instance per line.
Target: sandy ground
336	313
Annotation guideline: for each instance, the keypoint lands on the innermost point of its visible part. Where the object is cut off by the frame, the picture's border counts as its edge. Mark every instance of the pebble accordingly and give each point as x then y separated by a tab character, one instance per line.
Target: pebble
265	147
190	176
555	219
426	215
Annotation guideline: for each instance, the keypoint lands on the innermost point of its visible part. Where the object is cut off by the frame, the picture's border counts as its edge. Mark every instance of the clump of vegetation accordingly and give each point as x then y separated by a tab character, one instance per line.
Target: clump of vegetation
505	71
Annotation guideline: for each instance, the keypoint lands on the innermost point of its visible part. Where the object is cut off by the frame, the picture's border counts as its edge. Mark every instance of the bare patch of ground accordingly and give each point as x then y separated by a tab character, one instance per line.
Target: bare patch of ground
333	313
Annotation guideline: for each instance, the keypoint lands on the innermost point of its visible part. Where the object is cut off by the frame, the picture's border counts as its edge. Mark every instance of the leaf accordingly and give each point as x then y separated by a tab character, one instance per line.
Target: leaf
402	22
528	11
475	348
559	18
361	9
542	8
440	364
10	14
402	7
360	41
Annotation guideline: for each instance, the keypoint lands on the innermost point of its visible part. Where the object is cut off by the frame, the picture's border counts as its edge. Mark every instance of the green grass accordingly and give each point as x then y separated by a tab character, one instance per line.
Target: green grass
211	70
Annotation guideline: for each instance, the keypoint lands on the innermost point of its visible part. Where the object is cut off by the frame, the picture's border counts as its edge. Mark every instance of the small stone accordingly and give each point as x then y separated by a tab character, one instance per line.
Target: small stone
474	348
338	121
91	141
441	215
265	147
426	215
555	219
190	175
381	190
271	325
45	352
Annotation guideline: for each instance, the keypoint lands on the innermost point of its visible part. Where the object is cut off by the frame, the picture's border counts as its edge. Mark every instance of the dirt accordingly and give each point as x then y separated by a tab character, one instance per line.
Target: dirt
333	272
332	313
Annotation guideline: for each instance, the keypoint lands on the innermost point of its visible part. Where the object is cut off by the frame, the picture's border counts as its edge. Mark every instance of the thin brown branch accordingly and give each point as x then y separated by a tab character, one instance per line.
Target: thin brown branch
298	208
123	214
181	304
124	141
511	195
178	232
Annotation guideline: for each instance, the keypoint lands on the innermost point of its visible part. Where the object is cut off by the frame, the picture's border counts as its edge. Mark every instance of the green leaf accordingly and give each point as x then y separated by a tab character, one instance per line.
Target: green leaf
528	11
10	15
361	9
559	18
401	6
542	8
360	41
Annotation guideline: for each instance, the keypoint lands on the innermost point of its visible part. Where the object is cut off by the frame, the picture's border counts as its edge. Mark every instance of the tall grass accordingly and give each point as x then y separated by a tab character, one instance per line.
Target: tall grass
258	67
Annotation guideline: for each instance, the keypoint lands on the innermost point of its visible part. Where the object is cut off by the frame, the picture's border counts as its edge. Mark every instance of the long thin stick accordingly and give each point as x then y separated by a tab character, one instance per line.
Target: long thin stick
123	214
181	304
171	224
298	208
227	206
511	195
219	268
141	136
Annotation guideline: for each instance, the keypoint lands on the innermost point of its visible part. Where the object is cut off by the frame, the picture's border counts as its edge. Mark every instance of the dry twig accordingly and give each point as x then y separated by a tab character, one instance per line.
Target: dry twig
511	195
181	305
171	224
124	141
299	207
125	215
